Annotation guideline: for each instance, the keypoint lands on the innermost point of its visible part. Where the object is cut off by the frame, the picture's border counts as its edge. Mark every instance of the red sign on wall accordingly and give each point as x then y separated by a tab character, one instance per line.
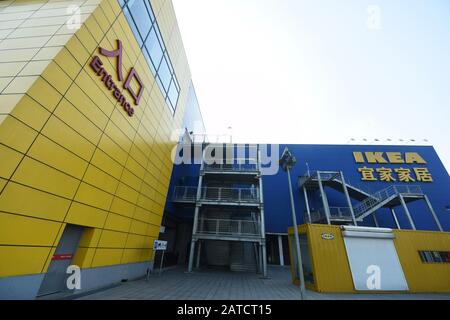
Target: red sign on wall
97	66
60	257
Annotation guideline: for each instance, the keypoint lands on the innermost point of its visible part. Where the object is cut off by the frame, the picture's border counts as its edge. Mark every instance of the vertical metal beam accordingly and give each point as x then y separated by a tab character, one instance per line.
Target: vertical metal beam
374	216
297	239
199	250
408	214
395	219
191	255
347	196
308	211
262	218
324	199
264	260
260	256
258	261
196	216
433	213
280	249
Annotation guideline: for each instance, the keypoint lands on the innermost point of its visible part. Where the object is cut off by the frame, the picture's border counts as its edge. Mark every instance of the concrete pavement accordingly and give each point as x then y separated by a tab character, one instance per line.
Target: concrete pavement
175	284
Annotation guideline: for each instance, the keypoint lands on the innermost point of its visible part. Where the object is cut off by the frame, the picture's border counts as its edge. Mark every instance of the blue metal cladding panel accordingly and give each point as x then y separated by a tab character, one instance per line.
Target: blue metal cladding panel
340	158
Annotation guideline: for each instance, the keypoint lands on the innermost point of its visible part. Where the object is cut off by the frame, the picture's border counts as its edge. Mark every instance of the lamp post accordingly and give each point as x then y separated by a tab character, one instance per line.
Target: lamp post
287	162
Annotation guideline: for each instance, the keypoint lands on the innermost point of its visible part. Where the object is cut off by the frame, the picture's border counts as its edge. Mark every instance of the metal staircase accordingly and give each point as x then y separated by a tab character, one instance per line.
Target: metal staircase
385	197
368	202
229	211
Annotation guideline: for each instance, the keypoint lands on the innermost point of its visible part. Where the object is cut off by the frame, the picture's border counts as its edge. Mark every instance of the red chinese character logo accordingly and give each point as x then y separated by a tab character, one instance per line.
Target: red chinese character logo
132	74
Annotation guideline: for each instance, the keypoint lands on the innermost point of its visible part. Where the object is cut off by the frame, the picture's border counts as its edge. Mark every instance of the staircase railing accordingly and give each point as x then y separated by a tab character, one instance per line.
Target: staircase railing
334	175
240	195
229	227
382	195
336	213
182	193
238	165
250	195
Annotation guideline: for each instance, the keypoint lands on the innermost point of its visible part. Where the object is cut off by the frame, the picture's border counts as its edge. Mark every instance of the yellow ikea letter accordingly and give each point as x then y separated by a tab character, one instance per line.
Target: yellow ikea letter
413	157
375	157
395	157
359	158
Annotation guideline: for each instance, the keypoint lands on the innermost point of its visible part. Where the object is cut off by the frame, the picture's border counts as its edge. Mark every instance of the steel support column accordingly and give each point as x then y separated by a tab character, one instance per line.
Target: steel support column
308	211
324	199
347	196
191	255
433	213
408	214
258	261
196	217
374	216
280	249
199	250
296	239
395	219
262	218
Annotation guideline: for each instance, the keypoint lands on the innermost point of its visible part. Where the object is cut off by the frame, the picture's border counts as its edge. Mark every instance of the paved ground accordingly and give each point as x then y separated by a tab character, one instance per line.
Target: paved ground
175	284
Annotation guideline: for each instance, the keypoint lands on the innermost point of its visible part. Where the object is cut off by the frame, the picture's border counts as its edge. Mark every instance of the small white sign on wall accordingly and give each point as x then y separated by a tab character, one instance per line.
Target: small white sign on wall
159	245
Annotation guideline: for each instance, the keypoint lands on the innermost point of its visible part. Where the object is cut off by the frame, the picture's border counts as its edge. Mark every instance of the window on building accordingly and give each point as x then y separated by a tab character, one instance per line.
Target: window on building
140	16
435	256
142	21
154	49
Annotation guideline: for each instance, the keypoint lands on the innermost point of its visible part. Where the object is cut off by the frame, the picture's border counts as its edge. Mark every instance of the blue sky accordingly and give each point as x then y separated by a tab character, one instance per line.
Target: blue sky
322	71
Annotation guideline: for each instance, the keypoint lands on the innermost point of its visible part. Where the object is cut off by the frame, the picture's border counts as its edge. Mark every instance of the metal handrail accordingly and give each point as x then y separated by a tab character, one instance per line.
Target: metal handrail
334	175
240	195
384	194
231	167
229	227
230	194
183	193
341	213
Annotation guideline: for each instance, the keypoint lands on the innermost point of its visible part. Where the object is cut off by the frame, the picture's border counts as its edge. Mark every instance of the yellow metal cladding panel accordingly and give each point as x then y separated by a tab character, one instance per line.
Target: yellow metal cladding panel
16	134
84	215
84	256
43	177
52	154
331	268
90	238
35	232
10	159
118	223
38	203
45	94
423	277
70	149
112	239
132	255
22	260
106	257
31	113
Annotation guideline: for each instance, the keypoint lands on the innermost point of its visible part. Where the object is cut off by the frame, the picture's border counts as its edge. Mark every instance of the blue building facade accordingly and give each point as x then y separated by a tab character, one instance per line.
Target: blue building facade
369	168
342	158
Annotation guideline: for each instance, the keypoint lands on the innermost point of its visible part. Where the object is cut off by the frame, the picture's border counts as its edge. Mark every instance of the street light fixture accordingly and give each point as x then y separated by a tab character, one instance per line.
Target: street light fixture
287	162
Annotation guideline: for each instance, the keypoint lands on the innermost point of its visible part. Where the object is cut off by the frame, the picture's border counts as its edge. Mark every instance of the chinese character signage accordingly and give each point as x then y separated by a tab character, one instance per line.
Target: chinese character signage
97	66
399	174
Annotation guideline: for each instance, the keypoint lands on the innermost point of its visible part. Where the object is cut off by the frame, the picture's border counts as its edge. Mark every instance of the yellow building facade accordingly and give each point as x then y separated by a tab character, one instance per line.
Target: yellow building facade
70	152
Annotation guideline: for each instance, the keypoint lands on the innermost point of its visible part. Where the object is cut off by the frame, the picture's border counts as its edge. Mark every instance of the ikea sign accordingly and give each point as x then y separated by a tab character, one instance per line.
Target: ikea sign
402	173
